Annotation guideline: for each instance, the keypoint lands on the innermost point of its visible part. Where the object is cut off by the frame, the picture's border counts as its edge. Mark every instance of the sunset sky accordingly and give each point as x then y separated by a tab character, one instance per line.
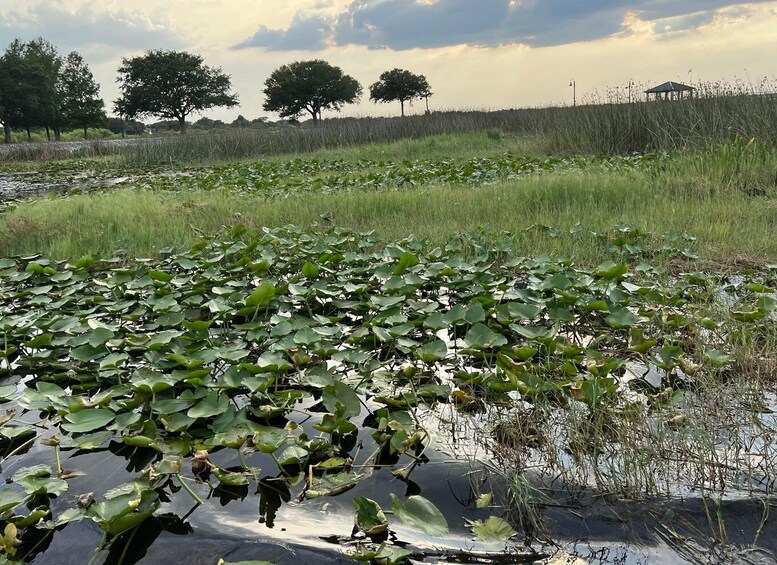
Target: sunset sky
476	54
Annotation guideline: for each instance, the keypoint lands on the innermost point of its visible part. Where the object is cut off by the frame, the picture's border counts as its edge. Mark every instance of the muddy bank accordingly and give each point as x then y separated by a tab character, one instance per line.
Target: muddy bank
13	187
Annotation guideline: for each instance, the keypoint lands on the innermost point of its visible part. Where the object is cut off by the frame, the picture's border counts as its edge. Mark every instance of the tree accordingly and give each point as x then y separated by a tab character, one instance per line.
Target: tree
13	87
42	105
81	104
207	123
401	85
29	77
309	86
240	122
172	85
117	125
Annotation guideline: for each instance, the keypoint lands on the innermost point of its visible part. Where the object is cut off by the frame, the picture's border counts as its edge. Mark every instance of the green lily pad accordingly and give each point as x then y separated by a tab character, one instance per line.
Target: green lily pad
88	420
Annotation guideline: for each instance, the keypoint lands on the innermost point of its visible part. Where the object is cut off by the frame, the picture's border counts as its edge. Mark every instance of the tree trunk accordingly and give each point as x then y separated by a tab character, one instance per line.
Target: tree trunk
182	125
29	135
85	134
314	113
57	134
48	134
402	107
7	131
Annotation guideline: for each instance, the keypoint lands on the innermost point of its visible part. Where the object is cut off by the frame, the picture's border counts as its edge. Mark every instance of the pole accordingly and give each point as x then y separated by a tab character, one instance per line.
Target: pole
573	84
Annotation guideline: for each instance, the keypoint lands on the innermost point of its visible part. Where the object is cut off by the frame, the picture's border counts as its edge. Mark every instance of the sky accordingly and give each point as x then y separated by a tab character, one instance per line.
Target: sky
476	54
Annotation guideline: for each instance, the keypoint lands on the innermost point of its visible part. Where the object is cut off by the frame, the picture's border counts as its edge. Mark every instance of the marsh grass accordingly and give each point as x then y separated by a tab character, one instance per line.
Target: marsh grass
712	440
729	223
610	129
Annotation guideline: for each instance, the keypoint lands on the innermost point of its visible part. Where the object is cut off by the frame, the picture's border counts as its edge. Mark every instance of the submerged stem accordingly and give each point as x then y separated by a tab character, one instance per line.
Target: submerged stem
127	545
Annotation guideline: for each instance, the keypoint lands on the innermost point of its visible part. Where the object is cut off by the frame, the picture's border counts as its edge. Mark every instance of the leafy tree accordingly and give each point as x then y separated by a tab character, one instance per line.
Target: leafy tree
39	89
309	86
240	122
13	87
42	104
399	85
132	127
207	123
29	76
81	106
166	126
172	85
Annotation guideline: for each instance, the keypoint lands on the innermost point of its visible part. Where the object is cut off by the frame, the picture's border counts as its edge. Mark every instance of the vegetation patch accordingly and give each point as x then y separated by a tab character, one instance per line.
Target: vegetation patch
313	360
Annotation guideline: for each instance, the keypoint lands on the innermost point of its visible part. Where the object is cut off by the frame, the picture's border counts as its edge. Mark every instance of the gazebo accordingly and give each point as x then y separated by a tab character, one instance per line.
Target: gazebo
670	91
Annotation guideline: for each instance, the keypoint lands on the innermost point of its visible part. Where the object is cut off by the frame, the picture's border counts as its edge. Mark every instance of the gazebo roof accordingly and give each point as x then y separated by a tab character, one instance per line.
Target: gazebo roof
670	87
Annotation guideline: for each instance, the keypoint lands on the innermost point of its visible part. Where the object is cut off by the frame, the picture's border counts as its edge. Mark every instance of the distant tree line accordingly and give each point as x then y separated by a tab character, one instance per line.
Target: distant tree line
40	89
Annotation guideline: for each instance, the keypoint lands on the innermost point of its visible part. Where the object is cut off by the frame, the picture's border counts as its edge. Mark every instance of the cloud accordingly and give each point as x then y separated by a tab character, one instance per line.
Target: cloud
306	33
88	27
413	24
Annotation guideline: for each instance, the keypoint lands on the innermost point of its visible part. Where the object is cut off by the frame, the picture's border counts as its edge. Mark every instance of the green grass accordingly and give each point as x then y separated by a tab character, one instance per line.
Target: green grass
729	224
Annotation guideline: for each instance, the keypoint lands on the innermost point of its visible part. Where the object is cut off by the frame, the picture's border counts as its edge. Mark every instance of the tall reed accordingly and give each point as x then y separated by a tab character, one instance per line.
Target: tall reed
608	129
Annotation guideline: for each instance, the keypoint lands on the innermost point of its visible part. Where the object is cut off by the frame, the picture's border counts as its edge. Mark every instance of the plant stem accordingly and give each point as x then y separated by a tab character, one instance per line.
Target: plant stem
17	450
188	489
59	461
127	545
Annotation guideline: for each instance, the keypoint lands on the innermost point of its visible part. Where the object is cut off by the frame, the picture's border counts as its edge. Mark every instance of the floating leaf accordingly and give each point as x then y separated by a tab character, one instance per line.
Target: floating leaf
432	351
212	405
88	420
492	529
262	296
268	439
417	512
10	498
717	358
406	261
483	500
621	318
340	393
369	517
481	336
309	270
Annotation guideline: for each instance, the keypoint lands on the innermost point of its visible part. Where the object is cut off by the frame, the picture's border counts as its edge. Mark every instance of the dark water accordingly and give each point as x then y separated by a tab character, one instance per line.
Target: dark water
252	523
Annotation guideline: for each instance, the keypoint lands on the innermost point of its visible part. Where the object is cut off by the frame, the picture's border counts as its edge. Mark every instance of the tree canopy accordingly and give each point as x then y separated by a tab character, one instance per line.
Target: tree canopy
309	86
44	98
172	85
123	127
399	85
13	91
81	102
40	89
